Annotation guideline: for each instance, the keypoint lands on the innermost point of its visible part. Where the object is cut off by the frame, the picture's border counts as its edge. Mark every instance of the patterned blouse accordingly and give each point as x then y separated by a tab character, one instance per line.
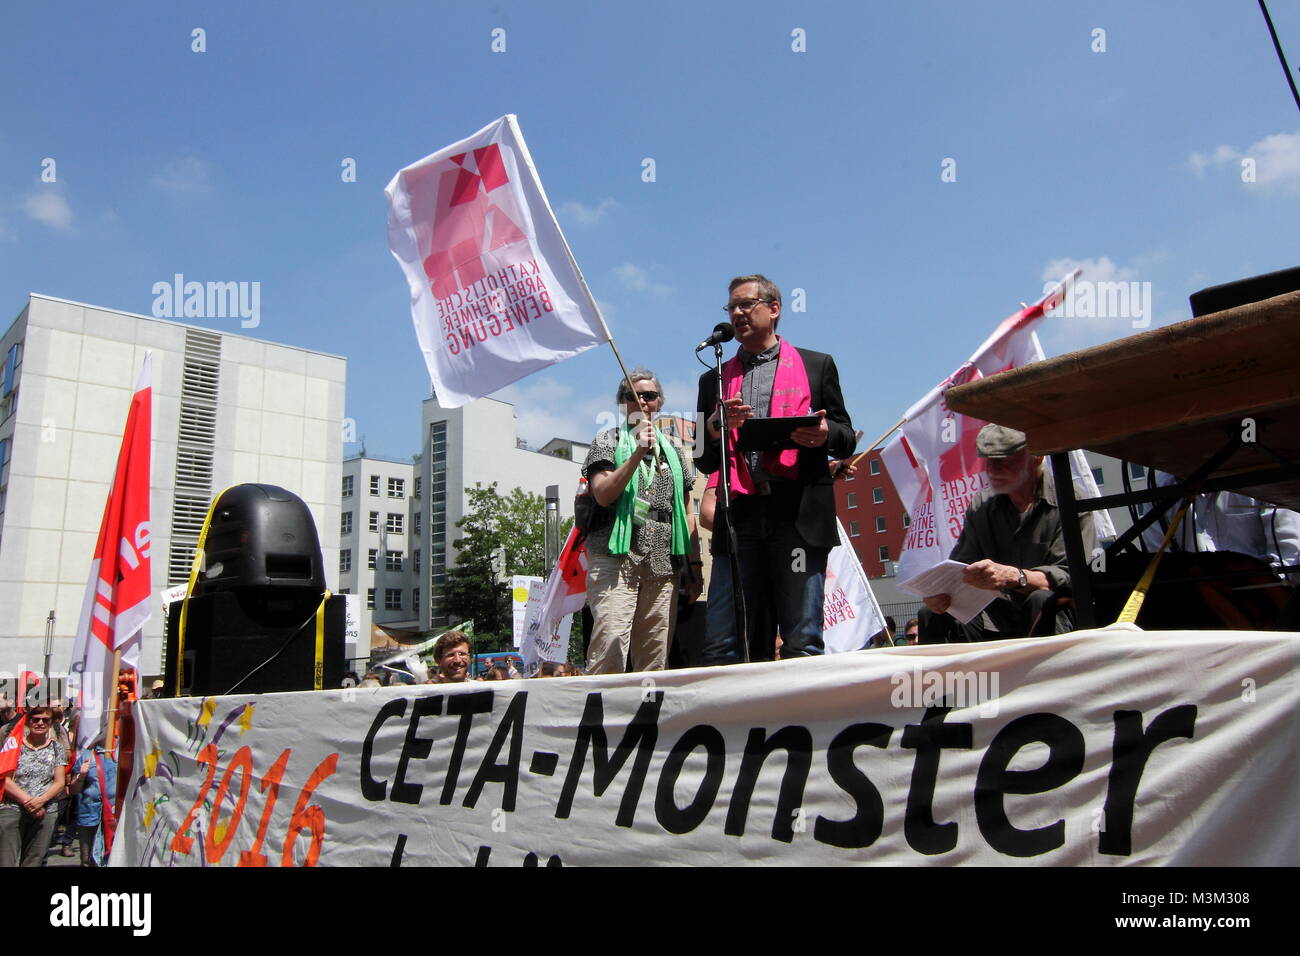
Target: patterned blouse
654	539
36	766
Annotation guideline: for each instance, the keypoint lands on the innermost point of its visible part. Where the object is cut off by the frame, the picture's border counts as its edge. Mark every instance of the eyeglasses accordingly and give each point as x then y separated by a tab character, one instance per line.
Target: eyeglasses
745	306
38	720
644	396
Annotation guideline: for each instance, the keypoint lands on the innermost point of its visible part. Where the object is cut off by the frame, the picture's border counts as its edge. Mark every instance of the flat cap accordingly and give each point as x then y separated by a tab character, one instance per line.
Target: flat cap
998	441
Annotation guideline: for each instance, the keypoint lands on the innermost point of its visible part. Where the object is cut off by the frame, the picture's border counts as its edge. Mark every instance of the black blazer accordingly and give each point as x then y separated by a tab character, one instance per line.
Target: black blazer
816	518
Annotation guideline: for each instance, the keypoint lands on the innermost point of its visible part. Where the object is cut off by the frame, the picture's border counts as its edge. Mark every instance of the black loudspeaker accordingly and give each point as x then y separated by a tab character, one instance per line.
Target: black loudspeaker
261	536
230	633
250	623
1243	291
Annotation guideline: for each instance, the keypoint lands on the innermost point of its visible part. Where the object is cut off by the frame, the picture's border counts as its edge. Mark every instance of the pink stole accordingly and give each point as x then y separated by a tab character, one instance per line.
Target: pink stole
791	396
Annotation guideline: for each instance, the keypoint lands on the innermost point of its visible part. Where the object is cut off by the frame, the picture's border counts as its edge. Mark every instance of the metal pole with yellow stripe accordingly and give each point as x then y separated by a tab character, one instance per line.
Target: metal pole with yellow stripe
1134	603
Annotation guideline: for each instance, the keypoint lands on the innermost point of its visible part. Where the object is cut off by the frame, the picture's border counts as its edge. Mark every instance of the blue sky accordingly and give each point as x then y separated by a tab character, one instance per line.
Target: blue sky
821	169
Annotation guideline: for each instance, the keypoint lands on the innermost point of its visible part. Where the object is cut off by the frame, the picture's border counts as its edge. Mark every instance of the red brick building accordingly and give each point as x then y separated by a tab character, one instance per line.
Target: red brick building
872	514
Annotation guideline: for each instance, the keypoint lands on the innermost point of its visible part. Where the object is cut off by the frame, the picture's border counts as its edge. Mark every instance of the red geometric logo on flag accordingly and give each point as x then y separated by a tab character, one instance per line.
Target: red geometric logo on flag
465	215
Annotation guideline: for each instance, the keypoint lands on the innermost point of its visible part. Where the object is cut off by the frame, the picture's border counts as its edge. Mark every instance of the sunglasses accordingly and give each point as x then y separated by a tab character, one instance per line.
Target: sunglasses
38	720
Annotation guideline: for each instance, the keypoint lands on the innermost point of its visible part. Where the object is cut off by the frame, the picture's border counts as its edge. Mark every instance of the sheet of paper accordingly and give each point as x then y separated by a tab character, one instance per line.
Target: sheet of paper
945	578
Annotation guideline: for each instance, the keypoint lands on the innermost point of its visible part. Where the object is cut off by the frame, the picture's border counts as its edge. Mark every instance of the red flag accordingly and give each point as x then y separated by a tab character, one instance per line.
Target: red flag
117	602
27	681
12	748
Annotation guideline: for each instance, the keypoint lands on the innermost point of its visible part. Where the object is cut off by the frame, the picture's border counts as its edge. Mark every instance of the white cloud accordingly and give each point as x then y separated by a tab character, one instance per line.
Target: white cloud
189	176
636	279
1094	270
1276	157
50	207
547	408
585	215
1108	301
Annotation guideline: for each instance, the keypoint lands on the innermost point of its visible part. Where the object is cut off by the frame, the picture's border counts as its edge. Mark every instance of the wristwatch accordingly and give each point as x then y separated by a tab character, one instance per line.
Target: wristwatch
1021	584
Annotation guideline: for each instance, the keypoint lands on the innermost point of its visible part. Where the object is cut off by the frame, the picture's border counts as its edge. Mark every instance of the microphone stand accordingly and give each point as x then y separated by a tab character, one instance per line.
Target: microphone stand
722	513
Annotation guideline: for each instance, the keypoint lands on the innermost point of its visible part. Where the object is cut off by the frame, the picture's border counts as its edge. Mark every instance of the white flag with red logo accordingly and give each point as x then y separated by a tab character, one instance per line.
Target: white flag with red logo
546	624
850	614
118	594
932	461
495	293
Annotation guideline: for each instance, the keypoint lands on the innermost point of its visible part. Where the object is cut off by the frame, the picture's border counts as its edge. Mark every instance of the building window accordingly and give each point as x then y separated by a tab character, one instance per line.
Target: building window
392	560
1097	476
395	522
880	525
418	483
851	500
397	487
853	529
392	599
415	600
878	495
374	486
884	552
416	560
370	599
373	558
345	559
875	466
374	521
347	486
907	520
1136	471
345	523
415	524
345	590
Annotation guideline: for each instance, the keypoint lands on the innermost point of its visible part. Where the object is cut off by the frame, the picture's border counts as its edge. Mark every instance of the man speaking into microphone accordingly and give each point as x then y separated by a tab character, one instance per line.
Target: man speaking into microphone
782	501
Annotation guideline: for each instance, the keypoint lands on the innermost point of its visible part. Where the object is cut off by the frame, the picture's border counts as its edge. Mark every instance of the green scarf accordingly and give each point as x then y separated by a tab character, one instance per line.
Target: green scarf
620	537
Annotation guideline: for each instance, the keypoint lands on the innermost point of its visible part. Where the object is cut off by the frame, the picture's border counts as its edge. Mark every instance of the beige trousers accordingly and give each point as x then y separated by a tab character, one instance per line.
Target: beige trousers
632	608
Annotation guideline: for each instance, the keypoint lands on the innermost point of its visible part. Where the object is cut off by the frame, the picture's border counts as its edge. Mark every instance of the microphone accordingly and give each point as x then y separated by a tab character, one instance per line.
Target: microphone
722	332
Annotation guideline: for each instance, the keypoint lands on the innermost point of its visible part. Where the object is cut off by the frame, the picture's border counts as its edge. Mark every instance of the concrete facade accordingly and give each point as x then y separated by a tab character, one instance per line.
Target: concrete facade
227	410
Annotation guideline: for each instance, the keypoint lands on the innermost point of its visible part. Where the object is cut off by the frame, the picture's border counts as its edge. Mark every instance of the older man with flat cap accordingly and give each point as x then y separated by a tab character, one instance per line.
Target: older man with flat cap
1013	544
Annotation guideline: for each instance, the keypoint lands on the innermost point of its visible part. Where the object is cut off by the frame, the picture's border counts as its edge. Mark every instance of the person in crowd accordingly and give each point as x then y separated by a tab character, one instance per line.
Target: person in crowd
1013	544
452	653
885	637
496	672
783	501
640	534
548	669
371	680
26	815
91	780
65	832
912	632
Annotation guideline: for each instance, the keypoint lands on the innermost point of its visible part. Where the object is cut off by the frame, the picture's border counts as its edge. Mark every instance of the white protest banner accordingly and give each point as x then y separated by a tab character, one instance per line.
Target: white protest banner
495	293
850	614
1101	748
932	461
521	587
546	630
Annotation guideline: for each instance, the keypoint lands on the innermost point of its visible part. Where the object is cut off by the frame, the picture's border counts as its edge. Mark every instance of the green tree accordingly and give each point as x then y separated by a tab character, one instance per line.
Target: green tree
502	535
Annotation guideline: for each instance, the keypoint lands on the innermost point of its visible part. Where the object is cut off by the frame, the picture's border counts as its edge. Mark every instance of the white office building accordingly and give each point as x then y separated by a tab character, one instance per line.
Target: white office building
475	444
227	410
379	551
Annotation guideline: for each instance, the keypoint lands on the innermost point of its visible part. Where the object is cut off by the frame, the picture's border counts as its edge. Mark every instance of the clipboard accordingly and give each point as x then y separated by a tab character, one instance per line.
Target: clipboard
772	434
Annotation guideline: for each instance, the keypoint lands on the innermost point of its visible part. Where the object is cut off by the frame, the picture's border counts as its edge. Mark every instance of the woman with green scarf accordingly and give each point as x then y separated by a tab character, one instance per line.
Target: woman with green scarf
640	535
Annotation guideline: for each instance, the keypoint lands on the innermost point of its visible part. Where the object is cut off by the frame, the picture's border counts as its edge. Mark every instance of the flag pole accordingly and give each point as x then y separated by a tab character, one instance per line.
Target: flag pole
110	738
892	428
609	337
